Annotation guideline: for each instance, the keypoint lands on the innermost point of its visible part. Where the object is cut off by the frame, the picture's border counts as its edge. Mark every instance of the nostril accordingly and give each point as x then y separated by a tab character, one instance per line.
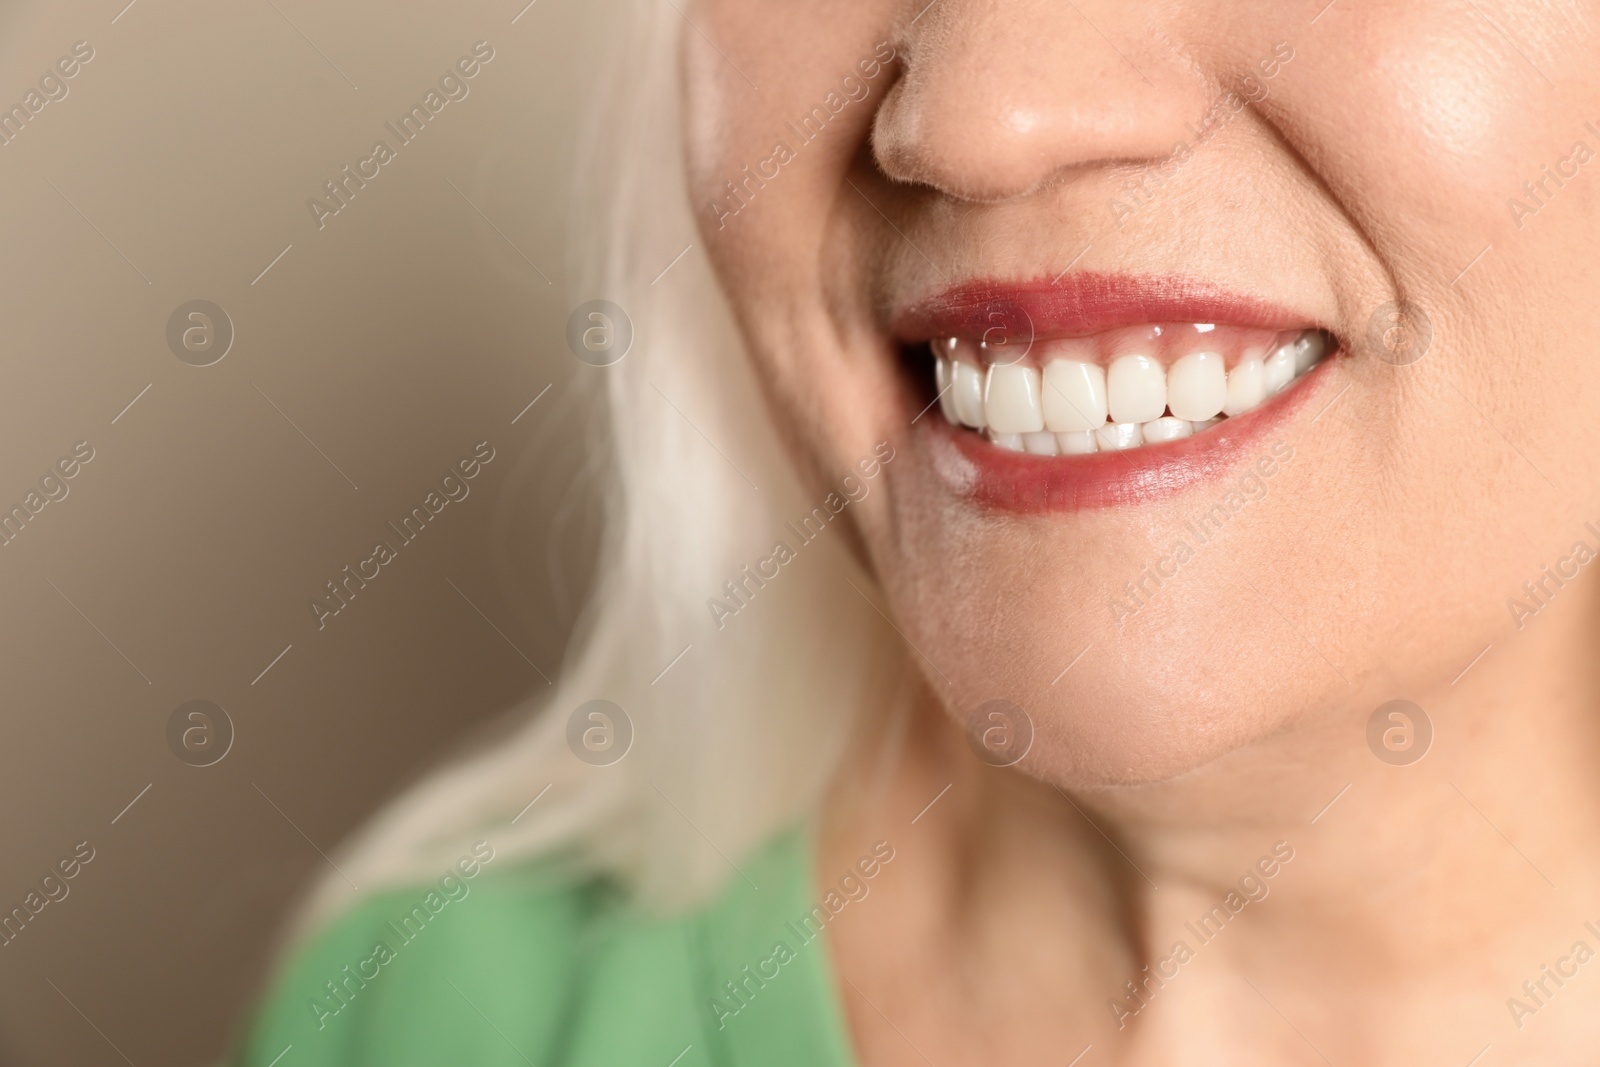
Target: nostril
917	139
991	104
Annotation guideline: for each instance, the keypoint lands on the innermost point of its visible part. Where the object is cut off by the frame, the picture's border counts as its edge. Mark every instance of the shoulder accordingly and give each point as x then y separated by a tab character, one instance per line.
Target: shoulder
499	969
517	968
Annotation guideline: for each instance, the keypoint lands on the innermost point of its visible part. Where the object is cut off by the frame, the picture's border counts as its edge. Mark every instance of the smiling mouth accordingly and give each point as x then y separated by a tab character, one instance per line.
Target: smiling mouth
1119	390
1101	390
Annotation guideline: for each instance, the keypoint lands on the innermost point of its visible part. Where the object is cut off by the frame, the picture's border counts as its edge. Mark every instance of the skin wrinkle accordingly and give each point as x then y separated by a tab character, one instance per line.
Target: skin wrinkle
1233	707
1391	285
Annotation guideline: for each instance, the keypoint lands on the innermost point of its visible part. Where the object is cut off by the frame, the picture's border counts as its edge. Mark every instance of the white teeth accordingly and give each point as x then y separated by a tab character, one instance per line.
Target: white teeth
1246	386
1063	409
1136	390
1011	442
1117	436
942	380
1074	395
968	394
1166	428
1279	370
1197	386
1011	399
1076	443
1040	444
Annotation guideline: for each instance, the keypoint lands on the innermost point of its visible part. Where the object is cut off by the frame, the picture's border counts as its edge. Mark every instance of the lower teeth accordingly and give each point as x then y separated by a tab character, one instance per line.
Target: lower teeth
1112	437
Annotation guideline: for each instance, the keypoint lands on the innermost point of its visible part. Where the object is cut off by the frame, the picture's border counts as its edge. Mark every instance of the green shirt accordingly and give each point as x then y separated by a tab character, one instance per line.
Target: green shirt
506	969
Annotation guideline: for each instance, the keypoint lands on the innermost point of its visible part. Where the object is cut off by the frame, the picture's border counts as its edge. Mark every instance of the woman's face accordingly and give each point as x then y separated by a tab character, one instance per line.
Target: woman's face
1112	219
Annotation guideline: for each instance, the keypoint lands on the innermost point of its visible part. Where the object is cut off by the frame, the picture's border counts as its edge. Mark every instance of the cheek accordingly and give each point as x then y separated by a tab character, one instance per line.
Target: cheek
1437	144
777	221
712	123
1451	97
1424	133
765	165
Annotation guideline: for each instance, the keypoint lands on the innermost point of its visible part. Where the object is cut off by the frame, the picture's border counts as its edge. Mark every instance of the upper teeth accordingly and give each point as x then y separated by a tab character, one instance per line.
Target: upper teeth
1055	404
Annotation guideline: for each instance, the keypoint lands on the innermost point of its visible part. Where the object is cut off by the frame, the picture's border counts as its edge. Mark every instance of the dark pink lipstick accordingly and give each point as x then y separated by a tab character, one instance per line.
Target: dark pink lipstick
1011	317
1077	305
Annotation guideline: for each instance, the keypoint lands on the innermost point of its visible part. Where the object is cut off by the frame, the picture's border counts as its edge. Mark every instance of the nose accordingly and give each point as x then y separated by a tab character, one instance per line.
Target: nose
997	96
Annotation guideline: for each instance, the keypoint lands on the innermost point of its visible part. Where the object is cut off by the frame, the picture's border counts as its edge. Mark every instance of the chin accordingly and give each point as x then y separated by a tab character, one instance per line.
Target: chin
1172	691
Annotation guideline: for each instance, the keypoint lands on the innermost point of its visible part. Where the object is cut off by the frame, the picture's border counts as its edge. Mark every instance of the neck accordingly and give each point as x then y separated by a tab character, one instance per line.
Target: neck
1304	863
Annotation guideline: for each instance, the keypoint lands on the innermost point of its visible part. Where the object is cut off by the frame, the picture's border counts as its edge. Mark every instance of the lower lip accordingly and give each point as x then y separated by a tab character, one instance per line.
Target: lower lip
1025	484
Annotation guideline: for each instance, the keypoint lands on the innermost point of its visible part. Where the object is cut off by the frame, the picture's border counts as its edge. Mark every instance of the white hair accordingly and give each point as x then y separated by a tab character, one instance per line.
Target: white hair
739	738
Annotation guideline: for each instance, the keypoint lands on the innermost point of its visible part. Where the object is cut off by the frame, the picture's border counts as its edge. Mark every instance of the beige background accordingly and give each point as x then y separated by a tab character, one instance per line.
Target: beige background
410	327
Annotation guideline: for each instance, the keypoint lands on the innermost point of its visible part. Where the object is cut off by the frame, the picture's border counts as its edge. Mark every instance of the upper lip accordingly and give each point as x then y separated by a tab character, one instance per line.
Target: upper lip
1078	305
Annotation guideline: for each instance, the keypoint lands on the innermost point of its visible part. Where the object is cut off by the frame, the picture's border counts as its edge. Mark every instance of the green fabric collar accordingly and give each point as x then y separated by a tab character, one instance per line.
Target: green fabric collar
767	993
